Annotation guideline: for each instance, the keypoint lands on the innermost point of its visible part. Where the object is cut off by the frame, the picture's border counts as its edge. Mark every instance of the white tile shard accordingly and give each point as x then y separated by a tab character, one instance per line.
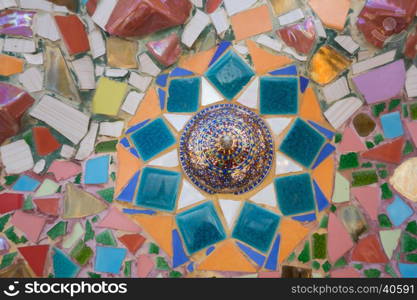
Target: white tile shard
32	80
84	69
278	125
67	152
7	4
321	32
97	44
112	129
342	110
291	17
242	49
45	26
103	12
37	4
373	62
209	94
220	20
34	59
16	157
411	82
234	7
198	3
194	28
266	196
169	160
284	165
88	142
189	195
140	82
293	53
132	101
39	166
347	43
115	73
67	120
177	121
19	45
267	41
147	65
230	209
336	90
250	96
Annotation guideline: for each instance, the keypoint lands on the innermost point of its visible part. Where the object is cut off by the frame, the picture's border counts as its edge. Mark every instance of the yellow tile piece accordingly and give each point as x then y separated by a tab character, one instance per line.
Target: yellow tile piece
327	64
324	176
264	61
311	110
160	228
197	63
79	204
251	22
227	257
149	108
292	233
122	53
109	96
127	166
332	13
10	65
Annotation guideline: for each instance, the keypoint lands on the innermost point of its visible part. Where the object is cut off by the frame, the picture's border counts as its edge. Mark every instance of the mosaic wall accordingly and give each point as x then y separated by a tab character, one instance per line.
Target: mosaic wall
208	138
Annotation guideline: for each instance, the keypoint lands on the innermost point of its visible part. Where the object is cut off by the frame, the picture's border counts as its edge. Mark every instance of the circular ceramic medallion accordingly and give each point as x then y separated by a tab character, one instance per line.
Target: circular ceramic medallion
226	149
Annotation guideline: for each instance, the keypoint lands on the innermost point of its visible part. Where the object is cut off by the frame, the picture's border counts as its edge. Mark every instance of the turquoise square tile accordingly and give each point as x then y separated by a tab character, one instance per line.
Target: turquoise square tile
294	194
392	125
184	95
302	143
256	226
200	227
279	95
97	170
158	189
230	74
153	139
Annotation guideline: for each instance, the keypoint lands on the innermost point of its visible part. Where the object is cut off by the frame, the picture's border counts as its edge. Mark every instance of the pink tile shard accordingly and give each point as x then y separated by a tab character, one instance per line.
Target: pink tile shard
339	240
351	142
63	170
369	198
30	225
115	219
145	265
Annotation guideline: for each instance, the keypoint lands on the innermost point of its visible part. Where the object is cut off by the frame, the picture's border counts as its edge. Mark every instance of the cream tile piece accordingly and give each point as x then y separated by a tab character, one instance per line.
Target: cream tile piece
132	101
373	62
278	125
220	20
230	209
267	41
115	73
88	142
178	121
147	65
84	69
321	32
233	7
7	4
112	129
194	28
209	94
291	17
103	12
342	110
411	82
39	166
67	151
336	90
37	4
33	59
284	165
347	43
32	80
250	96
139	81
16	157
97	44
266	196
169	160
189	195
19	45
45	26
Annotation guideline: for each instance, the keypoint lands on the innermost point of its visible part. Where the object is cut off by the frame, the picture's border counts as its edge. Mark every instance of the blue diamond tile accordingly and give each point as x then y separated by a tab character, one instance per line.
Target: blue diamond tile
230	74
184	95
399	211
97	170
109	259
158	189
392	125
200	227
302	143
153	139
295	194
279	95
256	226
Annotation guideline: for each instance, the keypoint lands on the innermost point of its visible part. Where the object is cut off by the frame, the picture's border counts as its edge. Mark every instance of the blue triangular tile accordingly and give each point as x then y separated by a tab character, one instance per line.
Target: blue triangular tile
179	257
190	267
161	95
178	72
162	80
328	133
137	126
223	46
321	199
303	83
129	191
289	71
272	261
305	218
134	152
259	259
325	152
125	142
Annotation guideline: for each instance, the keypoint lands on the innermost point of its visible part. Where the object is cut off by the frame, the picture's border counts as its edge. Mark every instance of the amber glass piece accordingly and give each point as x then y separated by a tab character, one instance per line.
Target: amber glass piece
57	76
142	17
70	4
74	34
283	6
327	64
122	53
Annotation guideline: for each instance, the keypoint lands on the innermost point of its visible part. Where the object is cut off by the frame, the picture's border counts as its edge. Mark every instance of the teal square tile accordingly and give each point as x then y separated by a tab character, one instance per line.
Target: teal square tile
200	227
158	189
230	74
184	95
153	139
302	143
294	194
279	95
256	226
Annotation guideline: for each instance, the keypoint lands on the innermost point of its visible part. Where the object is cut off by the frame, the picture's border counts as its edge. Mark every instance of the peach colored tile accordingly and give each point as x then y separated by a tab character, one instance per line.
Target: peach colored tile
251	22
333	13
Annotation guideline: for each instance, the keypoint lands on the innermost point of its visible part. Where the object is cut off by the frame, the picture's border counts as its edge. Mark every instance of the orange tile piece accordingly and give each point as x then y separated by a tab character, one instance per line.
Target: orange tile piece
311	110
324	176
251	22
332	13
292	233
264	61
148	109
227	257
10	65
197	63
159	227
128	165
